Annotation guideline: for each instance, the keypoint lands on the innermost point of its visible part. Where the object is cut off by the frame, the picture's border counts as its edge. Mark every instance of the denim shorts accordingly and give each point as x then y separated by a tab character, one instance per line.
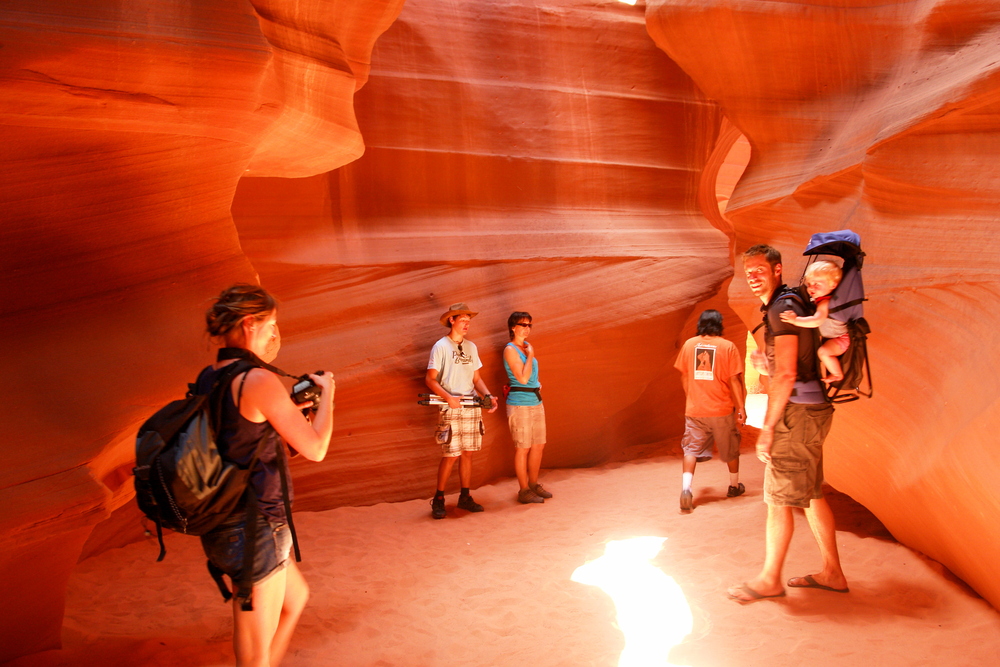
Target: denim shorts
225	546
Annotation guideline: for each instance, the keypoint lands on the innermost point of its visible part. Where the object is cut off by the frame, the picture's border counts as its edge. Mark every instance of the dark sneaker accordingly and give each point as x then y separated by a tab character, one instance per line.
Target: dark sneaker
437	508
687	501
702	459
539	491
468	504
736	491
528	496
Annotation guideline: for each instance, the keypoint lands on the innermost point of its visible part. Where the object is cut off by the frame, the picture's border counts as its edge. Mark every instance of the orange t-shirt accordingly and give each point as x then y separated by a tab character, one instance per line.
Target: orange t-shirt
709	362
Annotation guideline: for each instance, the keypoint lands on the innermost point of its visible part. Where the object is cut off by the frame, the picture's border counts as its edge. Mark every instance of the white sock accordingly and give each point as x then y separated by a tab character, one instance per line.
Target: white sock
686	481
734	479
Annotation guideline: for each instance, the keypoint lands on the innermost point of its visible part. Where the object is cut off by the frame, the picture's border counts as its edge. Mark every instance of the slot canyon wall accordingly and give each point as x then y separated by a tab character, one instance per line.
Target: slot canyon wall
881	117
519	155
125	128
545	155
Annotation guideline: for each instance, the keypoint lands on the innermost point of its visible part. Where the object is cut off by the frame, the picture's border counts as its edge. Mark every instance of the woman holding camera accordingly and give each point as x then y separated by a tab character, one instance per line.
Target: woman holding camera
258	408
525	412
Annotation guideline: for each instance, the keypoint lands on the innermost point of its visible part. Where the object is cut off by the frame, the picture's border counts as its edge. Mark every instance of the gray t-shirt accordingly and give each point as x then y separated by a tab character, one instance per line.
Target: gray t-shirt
456	364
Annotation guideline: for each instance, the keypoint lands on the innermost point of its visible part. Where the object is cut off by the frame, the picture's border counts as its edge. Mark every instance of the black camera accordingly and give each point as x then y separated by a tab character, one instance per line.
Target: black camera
306	390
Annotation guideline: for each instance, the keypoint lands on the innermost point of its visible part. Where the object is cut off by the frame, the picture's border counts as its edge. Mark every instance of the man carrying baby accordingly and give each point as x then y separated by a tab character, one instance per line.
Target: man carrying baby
796	423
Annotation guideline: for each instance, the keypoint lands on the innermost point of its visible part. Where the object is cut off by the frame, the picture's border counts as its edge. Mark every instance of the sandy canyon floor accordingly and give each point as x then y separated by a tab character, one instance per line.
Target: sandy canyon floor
391	586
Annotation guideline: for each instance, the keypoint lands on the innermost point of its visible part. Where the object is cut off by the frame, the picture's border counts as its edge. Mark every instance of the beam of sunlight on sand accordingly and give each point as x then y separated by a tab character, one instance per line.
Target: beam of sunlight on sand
653	613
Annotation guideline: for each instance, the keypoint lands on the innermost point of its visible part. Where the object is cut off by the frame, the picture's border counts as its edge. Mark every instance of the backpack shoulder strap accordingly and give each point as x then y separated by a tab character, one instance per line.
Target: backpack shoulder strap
787	293
849	304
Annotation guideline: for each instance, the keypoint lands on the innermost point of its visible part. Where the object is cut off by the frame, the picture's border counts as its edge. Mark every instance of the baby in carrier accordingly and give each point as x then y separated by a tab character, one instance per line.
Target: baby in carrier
821	279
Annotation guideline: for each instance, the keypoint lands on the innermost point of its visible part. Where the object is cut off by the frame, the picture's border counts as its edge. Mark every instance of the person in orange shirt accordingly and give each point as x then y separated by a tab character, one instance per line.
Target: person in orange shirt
712	374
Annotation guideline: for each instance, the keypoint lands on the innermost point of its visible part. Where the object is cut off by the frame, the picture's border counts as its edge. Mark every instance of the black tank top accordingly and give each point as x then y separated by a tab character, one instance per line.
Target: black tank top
237	441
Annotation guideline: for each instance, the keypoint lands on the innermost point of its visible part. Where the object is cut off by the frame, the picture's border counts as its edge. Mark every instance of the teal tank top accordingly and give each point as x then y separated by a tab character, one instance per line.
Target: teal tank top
522	397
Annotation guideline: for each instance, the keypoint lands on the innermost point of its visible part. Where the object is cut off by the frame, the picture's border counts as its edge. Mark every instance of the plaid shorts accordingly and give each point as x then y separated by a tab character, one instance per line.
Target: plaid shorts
466	430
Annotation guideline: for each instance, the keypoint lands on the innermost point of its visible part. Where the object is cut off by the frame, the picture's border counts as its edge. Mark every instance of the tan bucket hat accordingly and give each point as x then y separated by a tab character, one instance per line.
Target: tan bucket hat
456	309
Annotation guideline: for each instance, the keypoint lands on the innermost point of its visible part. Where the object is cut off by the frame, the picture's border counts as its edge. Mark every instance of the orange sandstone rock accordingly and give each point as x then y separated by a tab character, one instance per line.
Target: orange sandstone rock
125	129
544	158
883	118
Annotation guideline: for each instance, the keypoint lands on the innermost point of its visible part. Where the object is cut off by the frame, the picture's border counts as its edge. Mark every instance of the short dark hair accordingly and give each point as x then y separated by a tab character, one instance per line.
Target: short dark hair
514	318
772	256
710	323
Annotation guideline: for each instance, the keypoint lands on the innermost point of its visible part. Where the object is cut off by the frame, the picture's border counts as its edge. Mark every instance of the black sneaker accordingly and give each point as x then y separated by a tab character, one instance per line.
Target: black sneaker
687	501
736	491
468	504
437	507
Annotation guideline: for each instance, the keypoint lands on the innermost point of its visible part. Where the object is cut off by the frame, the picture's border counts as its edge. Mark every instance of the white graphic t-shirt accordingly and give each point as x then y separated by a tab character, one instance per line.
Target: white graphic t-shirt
456	363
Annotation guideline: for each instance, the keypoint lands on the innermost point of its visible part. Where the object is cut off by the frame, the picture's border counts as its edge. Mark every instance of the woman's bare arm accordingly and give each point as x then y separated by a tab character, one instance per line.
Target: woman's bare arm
266	399
520	369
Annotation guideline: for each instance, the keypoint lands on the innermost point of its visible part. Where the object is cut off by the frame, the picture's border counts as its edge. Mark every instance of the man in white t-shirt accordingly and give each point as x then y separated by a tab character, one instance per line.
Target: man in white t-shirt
453	373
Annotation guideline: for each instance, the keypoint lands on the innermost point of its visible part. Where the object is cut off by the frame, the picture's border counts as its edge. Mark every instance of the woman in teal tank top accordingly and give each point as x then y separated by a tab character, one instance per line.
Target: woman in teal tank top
525	412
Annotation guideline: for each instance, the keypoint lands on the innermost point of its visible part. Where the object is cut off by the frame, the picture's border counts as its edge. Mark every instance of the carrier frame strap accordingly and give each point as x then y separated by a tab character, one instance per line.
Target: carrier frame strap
849	304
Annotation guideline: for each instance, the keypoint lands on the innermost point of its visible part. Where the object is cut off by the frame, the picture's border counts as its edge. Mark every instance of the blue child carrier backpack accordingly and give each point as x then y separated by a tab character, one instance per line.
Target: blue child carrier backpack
847	301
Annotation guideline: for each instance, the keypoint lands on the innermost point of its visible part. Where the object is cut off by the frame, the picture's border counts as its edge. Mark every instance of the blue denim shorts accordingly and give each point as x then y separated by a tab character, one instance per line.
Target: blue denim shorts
225	546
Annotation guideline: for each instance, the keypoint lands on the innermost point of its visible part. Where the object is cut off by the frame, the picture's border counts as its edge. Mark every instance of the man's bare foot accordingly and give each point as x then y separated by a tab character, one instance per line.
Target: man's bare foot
812	581
743	593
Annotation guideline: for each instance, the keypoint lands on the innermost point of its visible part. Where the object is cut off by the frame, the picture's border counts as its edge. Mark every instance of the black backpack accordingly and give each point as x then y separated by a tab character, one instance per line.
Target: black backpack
800	296
183	483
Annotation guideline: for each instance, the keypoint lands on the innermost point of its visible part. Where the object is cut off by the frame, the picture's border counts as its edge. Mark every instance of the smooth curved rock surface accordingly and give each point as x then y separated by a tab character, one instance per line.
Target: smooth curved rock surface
881	117
125	129
520	155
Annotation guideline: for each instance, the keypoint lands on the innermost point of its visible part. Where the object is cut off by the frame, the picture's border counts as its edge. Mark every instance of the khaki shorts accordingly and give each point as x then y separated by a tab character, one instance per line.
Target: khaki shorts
795	474
527	424
465	430
701	432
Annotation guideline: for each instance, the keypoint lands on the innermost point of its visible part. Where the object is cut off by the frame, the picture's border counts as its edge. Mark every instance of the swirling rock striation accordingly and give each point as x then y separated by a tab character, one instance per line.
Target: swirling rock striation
126	127
882	117
520	155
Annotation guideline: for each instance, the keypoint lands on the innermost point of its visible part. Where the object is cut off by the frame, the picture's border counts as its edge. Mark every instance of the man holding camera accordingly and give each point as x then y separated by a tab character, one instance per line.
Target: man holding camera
453	374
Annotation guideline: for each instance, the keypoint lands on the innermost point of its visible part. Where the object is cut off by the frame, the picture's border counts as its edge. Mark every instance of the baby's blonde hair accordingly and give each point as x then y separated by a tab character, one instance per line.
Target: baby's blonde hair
823	268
